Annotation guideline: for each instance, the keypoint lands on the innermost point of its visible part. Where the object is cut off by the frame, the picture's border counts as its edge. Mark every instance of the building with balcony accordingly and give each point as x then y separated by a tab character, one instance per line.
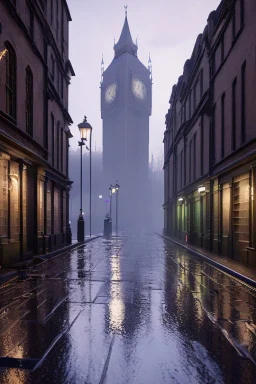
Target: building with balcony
35	73
210	138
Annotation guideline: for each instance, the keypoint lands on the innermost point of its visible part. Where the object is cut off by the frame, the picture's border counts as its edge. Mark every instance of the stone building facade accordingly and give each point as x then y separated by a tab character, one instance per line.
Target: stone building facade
210	138
35	73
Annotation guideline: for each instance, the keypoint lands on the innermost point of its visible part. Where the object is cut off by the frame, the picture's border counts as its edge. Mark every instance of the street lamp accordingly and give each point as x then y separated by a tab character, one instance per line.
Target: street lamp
85	130
117	186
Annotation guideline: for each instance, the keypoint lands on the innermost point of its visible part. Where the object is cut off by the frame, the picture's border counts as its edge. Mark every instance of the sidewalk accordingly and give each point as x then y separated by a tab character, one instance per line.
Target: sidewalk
8	273
232	267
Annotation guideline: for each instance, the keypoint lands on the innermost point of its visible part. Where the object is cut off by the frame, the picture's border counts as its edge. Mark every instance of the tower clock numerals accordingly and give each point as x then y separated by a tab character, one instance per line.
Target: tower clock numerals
139	89
110	93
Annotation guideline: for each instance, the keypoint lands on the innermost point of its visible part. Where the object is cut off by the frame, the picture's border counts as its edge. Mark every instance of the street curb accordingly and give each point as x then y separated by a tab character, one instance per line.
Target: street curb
14	274
228	270
50	255
8	277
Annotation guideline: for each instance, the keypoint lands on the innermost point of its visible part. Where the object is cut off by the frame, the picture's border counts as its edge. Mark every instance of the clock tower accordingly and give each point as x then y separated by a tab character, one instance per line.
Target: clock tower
126	99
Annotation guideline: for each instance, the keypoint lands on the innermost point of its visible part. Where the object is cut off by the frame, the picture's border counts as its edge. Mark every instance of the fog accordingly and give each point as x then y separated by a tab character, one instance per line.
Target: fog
101	206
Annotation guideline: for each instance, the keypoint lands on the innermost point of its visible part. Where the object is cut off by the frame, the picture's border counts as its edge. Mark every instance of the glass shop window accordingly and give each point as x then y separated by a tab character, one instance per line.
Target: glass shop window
4	198
14	187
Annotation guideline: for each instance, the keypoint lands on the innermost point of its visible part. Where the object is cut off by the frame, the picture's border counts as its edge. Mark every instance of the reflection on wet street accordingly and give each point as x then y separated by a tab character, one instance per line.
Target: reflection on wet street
128	310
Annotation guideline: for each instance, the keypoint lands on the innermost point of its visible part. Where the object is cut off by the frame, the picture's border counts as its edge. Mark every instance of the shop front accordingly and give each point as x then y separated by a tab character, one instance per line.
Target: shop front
33	211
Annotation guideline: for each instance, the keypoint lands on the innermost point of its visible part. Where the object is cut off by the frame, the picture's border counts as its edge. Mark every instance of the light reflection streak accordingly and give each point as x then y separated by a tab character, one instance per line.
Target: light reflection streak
116	305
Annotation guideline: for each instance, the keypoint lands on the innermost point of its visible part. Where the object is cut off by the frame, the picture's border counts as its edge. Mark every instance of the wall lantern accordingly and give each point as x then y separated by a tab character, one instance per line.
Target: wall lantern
180	199
201	189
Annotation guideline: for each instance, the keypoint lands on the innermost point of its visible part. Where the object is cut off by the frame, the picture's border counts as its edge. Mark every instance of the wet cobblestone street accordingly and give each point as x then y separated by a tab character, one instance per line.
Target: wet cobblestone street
133	309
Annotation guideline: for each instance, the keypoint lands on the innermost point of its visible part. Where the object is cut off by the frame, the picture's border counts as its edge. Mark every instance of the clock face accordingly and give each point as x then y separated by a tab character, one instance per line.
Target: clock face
139	89
110	93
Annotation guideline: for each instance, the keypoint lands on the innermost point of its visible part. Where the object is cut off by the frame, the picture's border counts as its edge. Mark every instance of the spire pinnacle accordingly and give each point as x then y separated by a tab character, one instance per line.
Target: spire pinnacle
102	70
125	7
150	67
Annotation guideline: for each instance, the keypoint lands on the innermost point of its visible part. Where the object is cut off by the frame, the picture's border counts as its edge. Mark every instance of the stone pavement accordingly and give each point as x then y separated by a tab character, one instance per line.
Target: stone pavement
134	309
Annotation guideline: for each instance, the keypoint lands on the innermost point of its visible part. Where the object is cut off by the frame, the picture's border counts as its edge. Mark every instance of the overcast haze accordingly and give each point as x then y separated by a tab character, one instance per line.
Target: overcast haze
167	29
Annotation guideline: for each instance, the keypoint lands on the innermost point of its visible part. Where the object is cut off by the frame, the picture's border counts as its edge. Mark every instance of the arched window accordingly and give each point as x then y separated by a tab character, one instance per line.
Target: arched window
10	81
29	102
58	145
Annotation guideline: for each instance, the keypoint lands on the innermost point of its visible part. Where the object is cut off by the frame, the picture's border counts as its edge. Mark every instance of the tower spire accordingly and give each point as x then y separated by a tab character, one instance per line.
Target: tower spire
125	43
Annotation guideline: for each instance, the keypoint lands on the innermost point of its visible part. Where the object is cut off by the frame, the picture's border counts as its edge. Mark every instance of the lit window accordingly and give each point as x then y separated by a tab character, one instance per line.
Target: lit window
10	81
29	102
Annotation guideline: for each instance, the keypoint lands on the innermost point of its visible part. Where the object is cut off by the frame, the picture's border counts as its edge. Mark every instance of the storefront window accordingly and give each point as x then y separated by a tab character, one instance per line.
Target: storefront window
14	201
197	226
4	198
49	207
57	210
41	206
225	209
24	203
241	217
64	212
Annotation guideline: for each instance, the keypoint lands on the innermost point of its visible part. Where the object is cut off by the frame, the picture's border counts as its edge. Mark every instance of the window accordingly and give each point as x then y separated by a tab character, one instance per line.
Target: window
67	154
202	145
52	127
49	208
10	81
31	22
41	206
234	114
190	159
212	154
58	145
181	168
4	198
14	206
223	125
57	210
194	157
61	150
241	12
201	83
243	133
29	102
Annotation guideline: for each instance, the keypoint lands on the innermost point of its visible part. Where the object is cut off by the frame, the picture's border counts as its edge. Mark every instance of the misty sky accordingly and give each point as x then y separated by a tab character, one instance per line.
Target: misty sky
165	28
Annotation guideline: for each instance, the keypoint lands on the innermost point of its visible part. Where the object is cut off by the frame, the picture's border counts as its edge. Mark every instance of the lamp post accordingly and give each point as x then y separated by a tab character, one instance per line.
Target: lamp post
85	129
90	150
117	186
110	202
